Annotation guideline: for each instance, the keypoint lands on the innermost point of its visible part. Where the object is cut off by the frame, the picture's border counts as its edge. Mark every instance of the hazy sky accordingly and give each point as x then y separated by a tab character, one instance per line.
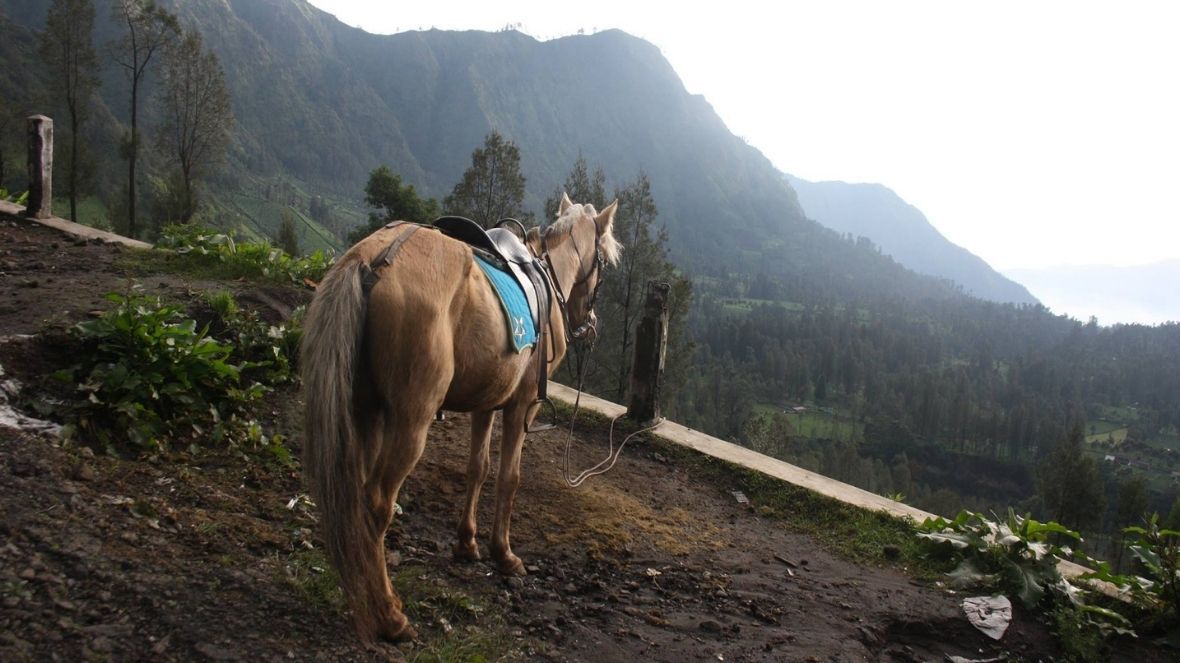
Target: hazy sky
1032	133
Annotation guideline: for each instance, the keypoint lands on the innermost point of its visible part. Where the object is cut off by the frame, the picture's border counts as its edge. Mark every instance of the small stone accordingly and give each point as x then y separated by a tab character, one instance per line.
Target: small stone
570	588
710	626
28	574
11	601
84	473
102	645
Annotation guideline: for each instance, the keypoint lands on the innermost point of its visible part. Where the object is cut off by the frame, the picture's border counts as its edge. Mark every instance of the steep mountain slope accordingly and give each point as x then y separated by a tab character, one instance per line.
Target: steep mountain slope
902	231
1145	294
324	103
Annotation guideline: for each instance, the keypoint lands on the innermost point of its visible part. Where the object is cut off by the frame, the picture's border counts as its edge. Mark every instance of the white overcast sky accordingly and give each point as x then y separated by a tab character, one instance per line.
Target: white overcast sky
1033	133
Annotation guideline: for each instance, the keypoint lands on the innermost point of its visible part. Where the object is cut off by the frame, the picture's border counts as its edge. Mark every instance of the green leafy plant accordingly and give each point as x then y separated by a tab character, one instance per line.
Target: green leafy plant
1018	555
1158	549
19	199
1015	553
268	351
149	375
245	258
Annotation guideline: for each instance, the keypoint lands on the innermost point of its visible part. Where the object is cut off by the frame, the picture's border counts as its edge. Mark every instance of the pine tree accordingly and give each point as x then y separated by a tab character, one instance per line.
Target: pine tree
287	239
581	186
1070	487
623	293
493	187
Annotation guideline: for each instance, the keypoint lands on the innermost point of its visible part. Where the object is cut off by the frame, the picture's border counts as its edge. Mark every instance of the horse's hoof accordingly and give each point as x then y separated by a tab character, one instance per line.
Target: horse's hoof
465	552
398	632
511	566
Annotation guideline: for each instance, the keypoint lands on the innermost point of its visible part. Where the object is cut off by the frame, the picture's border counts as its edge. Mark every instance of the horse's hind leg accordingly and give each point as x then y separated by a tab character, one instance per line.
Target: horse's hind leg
507	482
400	445
477	472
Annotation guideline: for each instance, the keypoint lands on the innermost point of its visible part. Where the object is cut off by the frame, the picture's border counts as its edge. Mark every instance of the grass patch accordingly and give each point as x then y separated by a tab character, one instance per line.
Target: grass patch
91	211
147	262
1117	435
313	579
859	535
454	625
814	424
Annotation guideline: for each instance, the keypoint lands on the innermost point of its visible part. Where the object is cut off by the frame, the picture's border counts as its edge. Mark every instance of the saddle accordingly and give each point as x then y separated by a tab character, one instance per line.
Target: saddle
503	248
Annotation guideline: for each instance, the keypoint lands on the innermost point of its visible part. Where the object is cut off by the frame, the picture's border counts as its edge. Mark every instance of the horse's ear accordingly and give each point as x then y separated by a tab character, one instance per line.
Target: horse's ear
565	204
532	238
606	217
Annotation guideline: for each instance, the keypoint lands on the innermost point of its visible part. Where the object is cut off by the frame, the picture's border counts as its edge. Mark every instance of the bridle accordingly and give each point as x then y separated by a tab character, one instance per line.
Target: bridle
586	328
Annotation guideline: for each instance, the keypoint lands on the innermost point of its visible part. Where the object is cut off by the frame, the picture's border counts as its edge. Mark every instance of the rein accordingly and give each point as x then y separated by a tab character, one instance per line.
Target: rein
587	334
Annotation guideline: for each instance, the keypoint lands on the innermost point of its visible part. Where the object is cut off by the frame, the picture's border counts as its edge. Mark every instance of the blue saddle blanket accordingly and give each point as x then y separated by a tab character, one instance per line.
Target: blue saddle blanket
521	326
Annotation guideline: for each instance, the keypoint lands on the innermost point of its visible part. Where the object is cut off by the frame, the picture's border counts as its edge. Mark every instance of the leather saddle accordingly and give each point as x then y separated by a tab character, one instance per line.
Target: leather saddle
503	248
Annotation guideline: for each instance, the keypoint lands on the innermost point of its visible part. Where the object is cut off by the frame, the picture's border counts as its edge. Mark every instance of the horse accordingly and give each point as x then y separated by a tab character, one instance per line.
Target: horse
429	335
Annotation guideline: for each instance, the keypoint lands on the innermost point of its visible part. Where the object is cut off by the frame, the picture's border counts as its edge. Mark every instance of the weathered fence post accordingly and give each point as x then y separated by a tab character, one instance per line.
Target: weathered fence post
651	343
40	167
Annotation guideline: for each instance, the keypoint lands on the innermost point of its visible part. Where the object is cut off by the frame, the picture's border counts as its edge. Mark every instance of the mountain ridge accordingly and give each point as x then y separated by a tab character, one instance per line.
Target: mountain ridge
324	103
902	231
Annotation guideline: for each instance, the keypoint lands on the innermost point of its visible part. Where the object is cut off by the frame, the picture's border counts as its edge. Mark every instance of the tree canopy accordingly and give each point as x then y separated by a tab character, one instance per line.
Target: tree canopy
394	200
493	187
197	117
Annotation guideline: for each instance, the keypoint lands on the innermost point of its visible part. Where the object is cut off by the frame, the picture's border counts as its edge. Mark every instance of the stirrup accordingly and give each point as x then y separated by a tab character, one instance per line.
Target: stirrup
537	428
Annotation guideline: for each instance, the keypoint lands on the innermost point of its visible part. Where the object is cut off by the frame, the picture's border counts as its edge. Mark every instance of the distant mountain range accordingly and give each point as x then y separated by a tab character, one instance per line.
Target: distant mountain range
902	231
1146	294
319	104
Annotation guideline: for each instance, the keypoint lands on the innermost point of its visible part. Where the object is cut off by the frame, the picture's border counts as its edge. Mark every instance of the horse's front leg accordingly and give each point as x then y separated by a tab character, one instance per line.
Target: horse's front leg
507	481
477	471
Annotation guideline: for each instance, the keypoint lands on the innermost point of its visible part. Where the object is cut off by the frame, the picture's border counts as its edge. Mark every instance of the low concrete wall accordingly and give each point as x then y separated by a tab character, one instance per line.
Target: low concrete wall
74	229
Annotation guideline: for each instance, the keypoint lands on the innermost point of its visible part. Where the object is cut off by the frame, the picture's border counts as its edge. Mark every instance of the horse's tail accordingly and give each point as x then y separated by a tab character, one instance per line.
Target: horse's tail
333	454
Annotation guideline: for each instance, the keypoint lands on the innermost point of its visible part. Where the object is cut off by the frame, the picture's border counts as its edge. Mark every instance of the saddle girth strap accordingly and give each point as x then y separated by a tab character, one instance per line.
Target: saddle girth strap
369	270
543	298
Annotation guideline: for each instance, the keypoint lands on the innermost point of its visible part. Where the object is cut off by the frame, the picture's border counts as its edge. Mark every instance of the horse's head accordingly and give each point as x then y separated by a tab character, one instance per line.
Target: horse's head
578	245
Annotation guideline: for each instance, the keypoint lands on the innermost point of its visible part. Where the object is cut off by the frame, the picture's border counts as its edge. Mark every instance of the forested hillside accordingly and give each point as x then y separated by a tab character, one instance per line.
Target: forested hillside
801	341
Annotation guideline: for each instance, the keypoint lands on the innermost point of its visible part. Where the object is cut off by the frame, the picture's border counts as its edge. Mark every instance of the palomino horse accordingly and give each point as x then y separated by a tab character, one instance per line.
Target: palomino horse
429	335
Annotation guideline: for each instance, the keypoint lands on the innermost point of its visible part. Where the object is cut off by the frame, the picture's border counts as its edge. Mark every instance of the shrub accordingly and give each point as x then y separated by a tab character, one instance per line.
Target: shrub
1158	549
1018	555
244	258
151	376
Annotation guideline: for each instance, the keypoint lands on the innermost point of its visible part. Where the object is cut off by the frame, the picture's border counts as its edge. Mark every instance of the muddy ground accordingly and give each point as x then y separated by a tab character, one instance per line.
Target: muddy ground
214	557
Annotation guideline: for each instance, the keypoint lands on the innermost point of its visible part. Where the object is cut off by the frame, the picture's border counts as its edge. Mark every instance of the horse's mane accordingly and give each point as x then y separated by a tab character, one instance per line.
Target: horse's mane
609	245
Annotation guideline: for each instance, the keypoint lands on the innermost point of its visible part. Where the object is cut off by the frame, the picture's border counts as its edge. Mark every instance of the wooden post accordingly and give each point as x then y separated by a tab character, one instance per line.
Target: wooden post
40	167
651	344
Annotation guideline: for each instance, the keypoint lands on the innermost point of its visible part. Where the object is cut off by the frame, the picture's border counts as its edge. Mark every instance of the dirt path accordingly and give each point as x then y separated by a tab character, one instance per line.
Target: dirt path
114	559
